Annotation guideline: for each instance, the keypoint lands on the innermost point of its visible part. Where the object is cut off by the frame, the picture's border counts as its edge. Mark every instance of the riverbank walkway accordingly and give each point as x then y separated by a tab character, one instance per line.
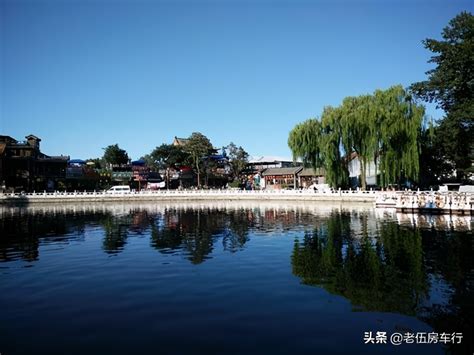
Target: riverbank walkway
403	201
191	195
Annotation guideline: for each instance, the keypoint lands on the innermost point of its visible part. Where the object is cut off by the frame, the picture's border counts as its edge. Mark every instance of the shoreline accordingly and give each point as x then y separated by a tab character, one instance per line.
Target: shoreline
192	195
404	202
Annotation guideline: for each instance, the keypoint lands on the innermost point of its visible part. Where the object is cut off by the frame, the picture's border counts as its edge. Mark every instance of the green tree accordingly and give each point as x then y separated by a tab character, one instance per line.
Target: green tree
98	163
359	130
238	159
384	126
451	86
433	163
335	164
113	155
398	129
384	274
150	162
167	156
305	141
318	144
198	147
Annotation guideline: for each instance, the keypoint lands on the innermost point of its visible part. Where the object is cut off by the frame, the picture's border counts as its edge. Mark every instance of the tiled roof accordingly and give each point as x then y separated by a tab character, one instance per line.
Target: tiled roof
312	172
47	158
180	141
7	139
31	136
268	159
281	171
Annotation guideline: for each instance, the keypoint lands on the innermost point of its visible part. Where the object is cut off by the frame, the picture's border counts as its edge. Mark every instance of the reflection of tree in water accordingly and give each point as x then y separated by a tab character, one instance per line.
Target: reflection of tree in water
117	229
449	254
22	234
19	239
141	220
196	231
389	272
115	232
237	229
185	229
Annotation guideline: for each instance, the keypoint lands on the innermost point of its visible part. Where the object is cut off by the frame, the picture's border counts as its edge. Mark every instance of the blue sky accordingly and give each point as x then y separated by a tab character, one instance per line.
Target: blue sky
85	74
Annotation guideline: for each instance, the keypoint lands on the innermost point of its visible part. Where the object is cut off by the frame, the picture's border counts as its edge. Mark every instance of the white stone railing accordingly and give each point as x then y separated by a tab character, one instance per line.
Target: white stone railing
404	200
450	200
190	192
444	201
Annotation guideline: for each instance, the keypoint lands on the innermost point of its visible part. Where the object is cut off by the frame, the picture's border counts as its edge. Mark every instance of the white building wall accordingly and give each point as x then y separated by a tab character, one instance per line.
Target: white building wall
371	173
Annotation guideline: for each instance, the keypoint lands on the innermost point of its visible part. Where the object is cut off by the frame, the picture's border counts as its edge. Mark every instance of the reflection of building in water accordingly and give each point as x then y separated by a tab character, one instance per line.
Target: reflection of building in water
430	202
315	208
119	221
193	227
140	220
436	221
259	212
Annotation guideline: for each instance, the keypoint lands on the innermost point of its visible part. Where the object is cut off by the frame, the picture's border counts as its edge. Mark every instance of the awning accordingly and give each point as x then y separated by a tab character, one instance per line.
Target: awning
77	161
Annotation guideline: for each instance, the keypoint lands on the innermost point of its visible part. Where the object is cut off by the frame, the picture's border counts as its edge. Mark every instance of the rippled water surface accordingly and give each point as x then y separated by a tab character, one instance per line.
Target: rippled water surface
230	278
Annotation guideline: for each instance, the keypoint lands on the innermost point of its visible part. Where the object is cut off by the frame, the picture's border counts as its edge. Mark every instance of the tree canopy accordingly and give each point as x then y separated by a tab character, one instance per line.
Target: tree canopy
168	156
383	127
398	122
305	142
114	155
198	147
197	151
238	158
336	166
450	84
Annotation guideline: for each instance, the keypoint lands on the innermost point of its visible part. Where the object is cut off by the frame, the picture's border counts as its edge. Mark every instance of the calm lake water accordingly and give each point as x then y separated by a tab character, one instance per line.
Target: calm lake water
231	278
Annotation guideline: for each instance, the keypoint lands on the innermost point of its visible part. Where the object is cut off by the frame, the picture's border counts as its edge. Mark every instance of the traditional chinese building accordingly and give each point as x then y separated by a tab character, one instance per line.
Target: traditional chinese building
181	142
24	167
258	164
281	178
82	175
309	176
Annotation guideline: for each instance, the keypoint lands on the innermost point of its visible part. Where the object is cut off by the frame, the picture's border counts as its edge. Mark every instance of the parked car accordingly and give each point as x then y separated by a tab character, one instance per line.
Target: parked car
120	189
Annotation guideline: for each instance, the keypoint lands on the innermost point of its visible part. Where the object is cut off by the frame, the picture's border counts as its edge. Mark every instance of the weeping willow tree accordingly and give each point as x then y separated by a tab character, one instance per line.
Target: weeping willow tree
359	131
383	128
305	142
317	143
399	122
337	174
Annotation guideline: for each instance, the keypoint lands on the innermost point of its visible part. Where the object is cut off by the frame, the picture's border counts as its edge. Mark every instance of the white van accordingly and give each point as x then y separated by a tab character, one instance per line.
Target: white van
120	189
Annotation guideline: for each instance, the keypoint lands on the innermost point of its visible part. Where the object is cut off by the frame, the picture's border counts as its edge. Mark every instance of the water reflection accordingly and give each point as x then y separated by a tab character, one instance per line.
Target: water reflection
388	267
22	232
416	265
116	230
383	273
192	229
196	231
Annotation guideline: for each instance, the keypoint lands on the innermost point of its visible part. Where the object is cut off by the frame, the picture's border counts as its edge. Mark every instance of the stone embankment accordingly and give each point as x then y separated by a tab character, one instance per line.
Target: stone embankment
191	195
